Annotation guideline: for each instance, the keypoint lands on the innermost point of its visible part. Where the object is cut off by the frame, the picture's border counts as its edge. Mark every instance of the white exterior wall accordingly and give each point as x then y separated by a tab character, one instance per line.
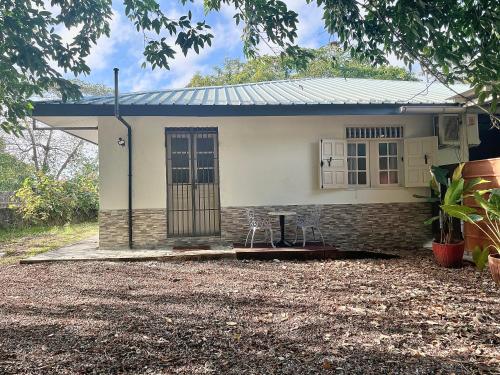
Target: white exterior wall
263	160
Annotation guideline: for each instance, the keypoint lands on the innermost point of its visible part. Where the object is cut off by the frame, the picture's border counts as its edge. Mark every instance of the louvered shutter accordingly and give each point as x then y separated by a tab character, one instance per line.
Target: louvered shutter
333	164
419	155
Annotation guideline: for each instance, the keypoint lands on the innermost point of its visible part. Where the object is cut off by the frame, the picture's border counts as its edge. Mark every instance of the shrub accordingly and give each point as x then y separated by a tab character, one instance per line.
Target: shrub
85	193
45	200
12	171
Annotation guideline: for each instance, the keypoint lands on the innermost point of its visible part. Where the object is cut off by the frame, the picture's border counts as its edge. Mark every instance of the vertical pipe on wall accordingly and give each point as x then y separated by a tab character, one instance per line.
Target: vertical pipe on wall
129	147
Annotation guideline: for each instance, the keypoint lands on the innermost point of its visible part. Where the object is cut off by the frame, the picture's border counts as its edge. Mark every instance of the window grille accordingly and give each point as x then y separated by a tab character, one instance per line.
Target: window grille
374	132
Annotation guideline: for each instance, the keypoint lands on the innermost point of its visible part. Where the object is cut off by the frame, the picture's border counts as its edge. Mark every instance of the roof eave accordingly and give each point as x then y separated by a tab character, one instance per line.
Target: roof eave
66	110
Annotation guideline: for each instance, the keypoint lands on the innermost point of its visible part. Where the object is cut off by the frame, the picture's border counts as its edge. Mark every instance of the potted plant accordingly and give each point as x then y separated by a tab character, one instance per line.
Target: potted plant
491	229
448	248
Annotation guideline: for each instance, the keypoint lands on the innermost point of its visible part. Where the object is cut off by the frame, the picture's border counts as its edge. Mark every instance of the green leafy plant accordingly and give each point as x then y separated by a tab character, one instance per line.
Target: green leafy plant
491	207
451	207
327	61
454	41
45	200
85	193
12	171
480	257
450	203
490	220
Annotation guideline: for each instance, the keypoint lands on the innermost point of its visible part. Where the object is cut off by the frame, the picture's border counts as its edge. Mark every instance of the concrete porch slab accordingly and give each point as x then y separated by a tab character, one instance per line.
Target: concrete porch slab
88	250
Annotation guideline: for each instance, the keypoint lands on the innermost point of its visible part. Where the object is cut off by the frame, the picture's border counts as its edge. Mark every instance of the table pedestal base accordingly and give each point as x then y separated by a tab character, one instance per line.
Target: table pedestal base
282	242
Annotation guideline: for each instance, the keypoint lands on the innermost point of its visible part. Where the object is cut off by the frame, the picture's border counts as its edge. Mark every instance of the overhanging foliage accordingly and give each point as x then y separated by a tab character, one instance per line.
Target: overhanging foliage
452	40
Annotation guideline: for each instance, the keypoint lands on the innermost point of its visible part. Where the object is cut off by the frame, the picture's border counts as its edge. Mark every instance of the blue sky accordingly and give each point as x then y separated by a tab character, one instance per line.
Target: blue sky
125	45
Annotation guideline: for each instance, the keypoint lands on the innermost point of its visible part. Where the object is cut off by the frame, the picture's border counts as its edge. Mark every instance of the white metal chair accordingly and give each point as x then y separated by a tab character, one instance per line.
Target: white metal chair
255	223
309	221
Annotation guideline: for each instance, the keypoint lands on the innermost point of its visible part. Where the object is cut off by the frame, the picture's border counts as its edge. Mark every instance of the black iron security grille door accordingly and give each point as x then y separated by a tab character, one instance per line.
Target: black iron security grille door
193	198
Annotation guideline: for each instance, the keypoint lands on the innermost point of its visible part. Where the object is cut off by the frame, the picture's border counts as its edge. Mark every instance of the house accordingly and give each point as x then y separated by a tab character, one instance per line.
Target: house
188	162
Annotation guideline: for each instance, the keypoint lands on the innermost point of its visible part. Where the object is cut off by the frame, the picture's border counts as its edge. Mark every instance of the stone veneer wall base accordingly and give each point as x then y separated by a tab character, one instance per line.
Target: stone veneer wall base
149	228
346	226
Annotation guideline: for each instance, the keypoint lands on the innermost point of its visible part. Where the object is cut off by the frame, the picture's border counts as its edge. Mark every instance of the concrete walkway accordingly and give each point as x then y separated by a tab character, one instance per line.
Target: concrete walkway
87	250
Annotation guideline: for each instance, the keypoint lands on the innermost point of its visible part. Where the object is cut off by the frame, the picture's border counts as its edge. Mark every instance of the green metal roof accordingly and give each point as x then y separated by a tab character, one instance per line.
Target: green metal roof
308	91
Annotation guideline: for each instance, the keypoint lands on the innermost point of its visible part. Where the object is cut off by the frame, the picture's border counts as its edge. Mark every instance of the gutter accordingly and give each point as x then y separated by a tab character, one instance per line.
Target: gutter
181	110
129	147
431	109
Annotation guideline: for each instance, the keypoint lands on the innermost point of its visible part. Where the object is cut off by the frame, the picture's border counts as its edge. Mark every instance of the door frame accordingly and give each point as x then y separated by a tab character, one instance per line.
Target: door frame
192	132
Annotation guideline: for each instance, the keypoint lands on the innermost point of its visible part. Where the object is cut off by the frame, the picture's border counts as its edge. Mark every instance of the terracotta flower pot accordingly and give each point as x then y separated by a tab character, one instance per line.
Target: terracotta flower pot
448	255
494	266
488	169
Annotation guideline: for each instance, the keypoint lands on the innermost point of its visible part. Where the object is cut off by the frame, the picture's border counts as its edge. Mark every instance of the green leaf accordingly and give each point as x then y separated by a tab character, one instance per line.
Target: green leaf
440	174
480	257
464	213
431	220
457	173
470	184
434	185
492	205
454	192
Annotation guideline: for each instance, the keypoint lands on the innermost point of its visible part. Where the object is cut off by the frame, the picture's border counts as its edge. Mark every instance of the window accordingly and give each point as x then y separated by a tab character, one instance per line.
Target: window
378	162
384	169
388	163
357	164
374	132
205	160
180	160
203	165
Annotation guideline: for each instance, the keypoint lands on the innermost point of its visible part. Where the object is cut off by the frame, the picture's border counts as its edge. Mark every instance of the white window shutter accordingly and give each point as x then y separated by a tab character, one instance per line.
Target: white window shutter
419	155
333	164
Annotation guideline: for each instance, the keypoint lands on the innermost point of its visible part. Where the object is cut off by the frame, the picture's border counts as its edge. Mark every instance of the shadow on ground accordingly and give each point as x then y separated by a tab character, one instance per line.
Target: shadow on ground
353	316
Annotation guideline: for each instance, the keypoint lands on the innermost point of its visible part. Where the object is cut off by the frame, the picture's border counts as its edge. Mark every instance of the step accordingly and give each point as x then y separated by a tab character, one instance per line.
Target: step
193	243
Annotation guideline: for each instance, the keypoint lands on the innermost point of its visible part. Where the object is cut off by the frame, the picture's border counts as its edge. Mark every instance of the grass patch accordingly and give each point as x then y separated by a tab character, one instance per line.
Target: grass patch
19	243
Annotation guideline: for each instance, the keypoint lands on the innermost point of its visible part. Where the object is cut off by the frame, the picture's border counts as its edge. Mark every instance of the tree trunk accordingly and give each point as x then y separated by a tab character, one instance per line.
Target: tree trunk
33	145
68	159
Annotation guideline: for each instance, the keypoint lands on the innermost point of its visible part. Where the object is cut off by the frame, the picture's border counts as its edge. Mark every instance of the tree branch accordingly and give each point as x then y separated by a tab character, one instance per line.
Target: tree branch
46	149
33	145
68	159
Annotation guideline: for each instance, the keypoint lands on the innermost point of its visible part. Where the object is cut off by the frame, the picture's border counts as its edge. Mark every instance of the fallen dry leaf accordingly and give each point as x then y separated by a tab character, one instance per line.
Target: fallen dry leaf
76	318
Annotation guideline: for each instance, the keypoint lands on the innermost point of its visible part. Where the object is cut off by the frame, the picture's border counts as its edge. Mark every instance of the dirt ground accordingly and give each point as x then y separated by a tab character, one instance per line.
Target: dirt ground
350	317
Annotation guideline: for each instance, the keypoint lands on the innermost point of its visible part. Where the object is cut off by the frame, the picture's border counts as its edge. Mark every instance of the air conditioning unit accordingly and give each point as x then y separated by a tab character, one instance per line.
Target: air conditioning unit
449	130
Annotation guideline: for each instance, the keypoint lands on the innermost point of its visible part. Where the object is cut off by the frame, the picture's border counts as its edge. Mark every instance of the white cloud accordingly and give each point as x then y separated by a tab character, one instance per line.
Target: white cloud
181	70
125	47
416	68
311	26
122	31
226	41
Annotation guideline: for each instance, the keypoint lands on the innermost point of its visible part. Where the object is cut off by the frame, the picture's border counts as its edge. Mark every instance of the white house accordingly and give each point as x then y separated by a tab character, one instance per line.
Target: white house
199	157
